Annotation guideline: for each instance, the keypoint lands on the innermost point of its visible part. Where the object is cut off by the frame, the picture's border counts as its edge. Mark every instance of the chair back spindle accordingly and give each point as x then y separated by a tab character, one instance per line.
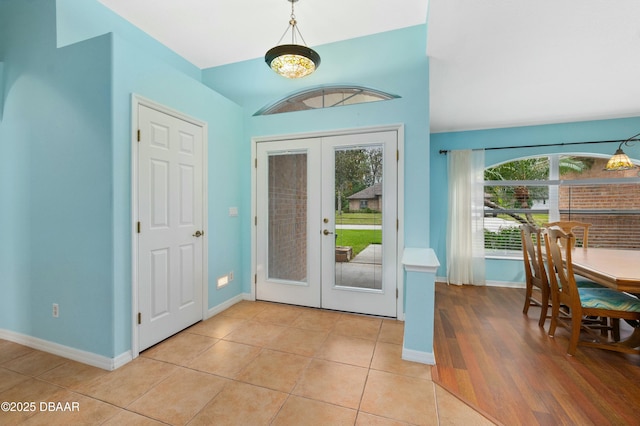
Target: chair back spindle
535	273
570	227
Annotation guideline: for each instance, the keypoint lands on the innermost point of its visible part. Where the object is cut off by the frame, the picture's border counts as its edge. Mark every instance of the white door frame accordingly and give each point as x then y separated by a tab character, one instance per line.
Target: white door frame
399	128
136	101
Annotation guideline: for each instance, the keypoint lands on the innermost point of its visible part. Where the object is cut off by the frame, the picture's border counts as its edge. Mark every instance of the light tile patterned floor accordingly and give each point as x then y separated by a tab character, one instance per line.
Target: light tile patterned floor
254	364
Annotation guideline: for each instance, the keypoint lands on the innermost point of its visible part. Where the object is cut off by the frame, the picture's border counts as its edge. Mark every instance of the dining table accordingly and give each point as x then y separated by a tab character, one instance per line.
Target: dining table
612	268
616	269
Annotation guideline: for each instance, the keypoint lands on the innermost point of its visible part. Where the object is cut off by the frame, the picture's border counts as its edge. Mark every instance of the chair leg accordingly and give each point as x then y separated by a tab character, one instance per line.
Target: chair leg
555	312
576	323
527	299
544	306
615	329
604	322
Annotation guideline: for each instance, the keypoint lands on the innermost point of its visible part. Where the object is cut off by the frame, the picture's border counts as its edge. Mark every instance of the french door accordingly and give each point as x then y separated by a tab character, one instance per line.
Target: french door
326	231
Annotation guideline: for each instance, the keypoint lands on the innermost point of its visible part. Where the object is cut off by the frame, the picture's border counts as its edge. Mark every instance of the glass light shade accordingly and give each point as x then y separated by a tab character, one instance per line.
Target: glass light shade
292	60
619	161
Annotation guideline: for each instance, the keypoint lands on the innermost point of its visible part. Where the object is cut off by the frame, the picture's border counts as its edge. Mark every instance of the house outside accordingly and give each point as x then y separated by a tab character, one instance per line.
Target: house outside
369	198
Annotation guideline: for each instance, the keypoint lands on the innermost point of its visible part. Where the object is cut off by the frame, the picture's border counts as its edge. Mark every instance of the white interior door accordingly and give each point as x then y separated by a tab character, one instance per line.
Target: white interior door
309	254
171	225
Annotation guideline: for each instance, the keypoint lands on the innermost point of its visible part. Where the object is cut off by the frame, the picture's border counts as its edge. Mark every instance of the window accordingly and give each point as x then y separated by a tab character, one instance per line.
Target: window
325	97
561	187
364	204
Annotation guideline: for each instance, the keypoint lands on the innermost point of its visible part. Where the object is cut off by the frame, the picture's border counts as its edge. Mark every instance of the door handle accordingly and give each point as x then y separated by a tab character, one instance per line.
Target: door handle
327	232
198	234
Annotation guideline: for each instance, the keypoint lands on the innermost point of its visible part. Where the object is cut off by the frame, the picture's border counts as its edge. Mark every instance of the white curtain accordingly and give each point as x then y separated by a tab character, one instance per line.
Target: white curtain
465	228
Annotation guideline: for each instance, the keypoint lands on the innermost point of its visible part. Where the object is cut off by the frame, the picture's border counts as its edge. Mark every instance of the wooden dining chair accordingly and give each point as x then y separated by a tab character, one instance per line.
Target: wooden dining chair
570	226
583	303
535	273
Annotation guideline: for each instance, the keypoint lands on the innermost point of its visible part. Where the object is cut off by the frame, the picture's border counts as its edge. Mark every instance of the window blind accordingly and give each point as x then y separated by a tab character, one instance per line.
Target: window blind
608	201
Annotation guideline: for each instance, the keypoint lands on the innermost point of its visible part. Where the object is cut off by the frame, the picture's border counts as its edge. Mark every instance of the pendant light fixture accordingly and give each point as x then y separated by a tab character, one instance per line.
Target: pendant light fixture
620	160
292	60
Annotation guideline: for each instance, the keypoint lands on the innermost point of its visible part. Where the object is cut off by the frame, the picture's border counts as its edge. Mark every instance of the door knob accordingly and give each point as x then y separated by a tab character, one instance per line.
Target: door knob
198	234
327	232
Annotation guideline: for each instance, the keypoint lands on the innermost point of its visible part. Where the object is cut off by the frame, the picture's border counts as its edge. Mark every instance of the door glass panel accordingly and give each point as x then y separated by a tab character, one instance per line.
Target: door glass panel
288	217
358	217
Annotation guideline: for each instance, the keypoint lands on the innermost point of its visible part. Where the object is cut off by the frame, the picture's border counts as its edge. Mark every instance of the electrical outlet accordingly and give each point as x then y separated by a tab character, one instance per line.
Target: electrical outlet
55	310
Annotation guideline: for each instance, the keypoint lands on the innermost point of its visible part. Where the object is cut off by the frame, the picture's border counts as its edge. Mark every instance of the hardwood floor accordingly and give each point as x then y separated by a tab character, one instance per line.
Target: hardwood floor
500	362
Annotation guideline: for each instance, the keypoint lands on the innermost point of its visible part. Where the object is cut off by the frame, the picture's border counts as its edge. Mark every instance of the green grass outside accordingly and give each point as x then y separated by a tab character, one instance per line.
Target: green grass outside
359	218
358	239
539	218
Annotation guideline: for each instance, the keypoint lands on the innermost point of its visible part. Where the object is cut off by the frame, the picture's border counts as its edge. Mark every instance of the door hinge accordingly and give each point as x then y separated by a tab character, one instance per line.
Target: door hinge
138	135
255	163
397	155
397	293
255	220
139	318
138	227
397	224
255	278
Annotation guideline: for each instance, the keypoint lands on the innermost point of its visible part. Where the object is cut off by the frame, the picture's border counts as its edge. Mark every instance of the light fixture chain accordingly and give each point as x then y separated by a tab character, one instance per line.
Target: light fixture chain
300	34
283	34
292	23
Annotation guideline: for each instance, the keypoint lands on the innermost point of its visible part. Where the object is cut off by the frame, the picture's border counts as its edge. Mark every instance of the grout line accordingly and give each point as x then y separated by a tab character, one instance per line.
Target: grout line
435	400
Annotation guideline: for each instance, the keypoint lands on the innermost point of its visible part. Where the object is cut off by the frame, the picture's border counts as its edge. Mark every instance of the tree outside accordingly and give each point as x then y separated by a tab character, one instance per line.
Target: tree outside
355	170
517	202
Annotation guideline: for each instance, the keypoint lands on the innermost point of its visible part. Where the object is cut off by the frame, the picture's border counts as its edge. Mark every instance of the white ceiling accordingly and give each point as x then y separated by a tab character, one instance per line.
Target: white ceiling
501	63
494	63
216	32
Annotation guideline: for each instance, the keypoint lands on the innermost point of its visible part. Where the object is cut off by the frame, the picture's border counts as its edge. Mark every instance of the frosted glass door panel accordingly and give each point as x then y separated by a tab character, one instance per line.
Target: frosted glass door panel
288	217
287	222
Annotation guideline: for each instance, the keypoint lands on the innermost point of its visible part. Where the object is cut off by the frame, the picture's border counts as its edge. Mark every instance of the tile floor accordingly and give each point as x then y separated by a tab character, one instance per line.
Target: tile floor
255	363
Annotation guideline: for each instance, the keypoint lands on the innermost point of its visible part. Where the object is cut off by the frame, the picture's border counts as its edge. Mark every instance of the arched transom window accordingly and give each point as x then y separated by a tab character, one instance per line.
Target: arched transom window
326	97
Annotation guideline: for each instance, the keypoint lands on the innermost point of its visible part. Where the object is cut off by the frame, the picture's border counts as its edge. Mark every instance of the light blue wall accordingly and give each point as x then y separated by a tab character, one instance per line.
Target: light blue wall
394	62
66	170
597	130
14	194
55	144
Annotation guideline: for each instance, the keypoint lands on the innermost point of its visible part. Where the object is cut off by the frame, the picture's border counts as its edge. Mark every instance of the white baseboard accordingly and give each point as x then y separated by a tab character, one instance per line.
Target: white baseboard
90	358
506	284
418	356
121	359
227	304
68	352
